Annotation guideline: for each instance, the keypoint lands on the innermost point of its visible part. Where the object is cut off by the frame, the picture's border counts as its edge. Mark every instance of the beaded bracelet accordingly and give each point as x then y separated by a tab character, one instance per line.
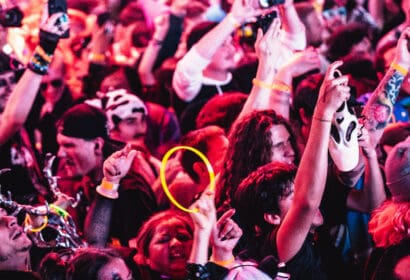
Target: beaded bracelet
38	65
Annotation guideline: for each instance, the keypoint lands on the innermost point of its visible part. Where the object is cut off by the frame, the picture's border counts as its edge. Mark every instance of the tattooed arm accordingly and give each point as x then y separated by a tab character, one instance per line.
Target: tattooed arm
379	108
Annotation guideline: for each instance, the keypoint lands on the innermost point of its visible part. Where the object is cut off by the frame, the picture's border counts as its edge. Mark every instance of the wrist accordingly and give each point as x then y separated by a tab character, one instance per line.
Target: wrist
108	189
96	57
48	41
400	67
39	61
233	20
223	260
322	116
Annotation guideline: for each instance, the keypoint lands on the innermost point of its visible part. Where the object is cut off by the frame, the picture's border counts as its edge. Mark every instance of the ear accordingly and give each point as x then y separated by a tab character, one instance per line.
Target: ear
271	218
305	119
199	168
99	143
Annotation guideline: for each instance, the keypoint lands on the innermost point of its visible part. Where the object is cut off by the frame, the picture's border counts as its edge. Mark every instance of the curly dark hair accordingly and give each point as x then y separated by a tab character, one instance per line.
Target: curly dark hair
250	146
260	192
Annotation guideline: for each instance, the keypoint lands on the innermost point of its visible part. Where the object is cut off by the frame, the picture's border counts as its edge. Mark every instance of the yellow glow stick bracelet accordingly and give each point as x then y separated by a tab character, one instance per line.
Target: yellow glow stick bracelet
164	182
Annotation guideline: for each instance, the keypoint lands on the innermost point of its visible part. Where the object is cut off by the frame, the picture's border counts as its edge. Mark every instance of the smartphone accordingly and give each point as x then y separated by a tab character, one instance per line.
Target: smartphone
58	6
264	4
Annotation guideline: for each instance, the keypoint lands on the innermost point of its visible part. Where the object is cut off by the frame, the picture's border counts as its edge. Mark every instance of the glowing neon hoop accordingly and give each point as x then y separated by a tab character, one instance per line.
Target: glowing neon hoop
164	182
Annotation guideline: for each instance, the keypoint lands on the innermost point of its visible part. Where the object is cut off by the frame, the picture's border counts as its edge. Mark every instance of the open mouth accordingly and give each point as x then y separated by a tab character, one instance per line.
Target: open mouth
17	234
177	254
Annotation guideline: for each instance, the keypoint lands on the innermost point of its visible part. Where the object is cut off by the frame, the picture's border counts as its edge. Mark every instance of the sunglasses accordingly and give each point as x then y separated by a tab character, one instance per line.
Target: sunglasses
56	83
7	80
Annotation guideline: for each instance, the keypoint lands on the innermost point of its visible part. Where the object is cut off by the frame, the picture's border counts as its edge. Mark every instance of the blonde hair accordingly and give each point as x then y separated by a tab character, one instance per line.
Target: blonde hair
390	223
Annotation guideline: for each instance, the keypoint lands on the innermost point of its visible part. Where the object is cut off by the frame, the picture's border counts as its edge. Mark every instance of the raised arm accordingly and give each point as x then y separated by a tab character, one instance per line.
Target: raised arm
290	19
204	220
373	193
311	175
146	66
266	46
379	108
98	219
22	97
187	77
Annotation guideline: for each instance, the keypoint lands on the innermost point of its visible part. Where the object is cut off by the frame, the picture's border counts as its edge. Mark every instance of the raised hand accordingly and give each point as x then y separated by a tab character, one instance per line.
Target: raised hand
205	218
118	164
267	45
304	61
333	92
243	10
161	26
402	55
225	235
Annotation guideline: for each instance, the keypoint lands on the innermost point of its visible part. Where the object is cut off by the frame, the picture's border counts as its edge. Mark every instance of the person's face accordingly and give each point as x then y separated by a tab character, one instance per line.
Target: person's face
286	202
169	248
216	150
224	57
13	239
7	84
363	48
282	150
79	156
381	113
132	128
115	270
52	87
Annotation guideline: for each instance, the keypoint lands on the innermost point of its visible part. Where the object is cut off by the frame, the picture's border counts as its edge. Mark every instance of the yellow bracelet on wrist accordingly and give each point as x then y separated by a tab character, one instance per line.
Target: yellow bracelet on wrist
225	263
108	189
97	57
278	85
399	68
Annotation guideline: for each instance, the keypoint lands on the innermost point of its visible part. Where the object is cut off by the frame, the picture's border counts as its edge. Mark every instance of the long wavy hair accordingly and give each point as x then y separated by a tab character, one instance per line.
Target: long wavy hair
250	146
390	223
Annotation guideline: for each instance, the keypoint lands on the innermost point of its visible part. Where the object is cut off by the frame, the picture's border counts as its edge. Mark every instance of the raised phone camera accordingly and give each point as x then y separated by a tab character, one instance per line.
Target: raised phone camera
270	3
58	6
11	17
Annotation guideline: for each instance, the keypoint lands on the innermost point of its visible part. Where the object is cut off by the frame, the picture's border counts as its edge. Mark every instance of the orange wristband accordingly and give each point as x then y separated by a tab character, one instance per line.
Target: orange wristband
108	189
399	68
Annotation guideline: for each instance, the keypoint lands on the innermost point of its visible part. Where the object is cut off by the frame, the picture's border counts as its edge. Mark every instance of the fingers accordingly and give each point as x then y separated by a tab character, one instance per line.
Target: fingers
227	215
259	36
330	73
274	28
230	230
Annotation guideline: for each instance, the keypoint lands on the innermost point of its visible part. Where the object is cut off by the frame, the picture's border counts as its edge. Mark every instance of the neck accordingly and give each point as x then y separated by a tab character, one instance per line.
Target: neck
96	174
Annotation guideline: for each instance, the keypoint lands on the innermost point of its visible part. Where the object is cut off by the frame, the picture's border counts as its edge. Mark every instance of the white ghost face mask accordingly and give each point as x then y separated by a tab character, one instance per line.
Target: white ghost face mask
343	143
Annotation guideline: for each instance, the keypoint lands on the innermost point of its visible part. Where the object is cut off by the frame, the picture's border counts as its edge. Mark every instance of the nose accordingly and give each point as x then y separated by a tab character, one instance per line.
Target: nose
9	221
289	149
174	242
61	152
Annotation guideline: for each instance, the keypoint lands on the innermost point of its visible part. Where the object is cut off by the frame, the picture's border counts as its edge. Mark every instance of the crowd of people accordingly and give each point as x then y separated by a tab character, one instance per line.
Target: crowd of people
299	108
